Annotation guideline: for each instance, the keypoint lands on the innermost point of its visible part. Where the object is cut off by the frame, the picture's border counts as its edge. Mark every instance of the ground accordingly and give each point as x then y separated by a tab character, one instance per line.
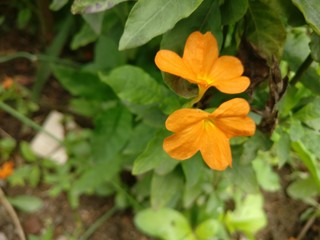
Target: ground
283	213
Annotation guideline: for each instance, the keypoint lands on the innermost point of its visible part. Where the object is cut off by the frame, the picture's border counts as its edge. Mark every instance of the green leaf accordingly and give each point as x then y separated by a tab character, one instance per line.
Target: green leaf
57	4
243	177
139	91
92	6
232	12
106	54
266	177
251	147
27	152
85	36
95	21
308	159
288	11
265	29
303	189
193	169
148	19
27	203
141	136
165	223
210	229
315	46
296	130
310	111
166	190
133	85
208	18
283	148
82	83
153	156
248	216
112	131
310	10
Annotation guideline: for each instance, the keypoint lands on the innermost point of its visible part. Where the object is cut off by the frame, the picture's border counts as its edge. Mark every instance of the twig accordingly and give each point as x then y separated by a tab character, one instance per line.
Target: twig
27	121
304	67
12	214
307	226
98	223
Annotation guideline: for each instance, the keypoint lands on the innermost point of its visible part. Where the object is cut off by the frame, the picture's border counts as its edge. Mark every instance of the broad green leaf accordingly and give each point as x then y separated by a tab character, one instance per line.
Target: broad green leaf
303	189
153	156
26	203
282	147
148	19
139	91
310	9
210	229
315	46
266	177
288	11
165	223
112	131
92	6
27	153
191	193
95	21
308	159
310	111
208	17
166	190
299	41
141	136
265	29
311	140
133	85
248	216
232	11
57	4
251	147
82	83
106	54
85	36
243	177
296	130
193	169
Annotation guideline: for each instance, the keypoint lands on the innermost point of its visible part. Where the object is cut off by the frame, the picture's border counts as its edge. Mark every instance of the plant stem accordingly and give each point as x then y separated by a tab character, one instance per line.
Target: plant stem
302	69
12	214
25	120
98	223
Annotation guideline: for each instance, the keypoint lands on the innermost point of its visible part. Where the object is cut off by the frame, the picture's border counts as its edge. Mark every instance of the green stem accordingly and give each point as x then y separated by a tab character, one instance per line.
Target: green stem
98	223
11	57
302	69
25	120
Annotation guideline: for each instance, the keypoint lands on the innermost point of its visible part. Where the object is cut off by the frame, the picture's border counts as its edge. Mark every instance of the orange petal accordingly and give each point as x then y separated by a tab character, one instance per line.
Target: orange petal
215	148
184	118
171	62
232	108
233	86
236	126
226	75
184	144
226	68
200	52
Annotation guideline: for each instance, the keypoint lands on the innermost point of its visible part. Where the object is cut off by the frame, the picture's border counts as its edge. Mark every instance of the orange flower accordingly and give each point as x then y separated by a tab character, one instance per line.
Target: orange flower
196	130
6	170
201	65
7	83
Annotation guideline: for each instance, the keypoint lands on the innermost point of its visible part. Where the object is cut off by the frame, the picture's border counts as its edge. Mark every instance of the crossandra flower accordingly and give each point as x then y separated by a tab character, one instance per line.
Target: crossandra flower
196	130
201	65
6	170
